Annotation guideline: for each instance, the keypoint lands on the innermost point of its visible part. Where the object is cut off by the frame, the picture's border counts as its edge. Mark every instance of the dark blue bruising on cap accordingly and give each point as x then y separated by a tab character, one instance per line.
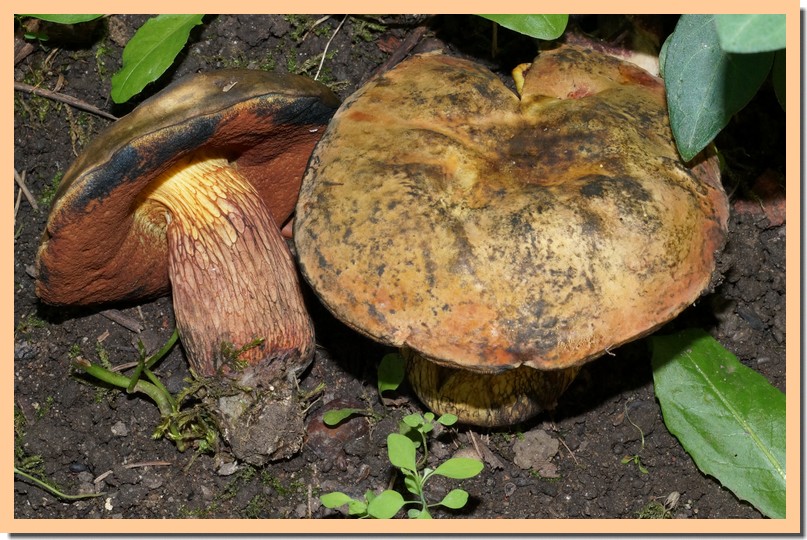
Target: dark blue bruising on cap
136	160
302	111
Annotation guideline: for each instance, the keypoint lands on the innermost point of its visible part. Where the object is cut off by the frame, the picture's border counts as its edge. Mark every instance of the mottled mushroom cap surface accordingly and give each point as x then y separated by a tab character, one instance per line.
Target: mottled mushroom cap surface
443	212
99	245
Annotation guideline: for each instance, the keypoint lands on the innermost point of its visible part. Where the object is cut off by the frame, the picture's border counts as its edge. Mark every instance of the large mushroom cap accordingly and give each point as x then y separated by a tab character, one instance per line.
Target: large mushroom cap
444	213
101	245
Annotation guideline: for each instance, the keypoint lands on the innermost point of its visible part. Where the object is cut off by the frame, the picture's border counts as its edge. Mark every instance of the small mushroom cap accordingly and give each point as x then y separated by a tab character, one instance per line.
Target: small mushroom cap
442	212
100	245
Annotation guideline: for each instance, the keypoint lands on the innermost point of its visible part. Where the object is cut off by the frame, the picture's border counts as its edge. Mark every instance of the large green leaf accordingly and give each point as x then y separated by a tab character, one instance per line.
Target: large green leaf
751	33
150	52
726	416
705	85
537	26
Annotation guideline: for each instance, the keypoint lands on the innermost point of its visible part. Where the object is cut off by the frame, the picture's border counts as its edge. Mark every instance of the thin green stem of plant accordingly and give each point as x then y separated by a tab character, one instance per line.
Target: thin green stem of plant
52	489
163	350
158	393
422	461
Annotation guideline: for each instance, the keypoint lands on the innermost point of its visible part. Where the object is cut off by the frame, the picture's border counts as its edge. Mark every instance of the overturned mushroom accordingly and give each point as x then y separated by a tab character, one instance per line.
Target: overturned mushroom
187	193
502	240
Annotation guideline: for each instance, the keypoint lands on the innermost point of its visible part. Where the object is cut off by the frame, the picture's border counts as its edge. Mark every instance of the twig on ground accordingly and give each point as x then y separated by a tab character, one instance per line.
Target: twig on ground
28	196
123	320
325	52
316	23
147	464
63	98
17	203
569	450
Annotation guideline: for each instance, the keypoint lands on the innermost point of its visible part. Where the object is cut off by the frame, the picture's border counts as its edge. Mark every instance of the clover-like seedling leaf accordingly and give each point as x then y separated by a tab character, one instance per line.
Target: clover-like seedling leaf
448	419
401	451
459	468
335	499
385	505
413	420
456	498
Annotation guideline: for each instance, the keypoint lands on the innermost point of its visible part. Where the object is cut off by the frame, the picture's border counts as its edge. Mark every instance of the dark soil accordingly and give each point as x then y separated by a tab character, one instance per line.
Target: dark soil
86	438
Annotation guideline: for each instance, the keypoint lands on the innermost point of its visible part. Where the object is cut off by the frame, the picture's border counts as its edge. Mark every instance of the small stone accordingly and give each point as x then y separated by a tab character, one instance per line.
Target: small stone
227	468
119	429
535	450
77	467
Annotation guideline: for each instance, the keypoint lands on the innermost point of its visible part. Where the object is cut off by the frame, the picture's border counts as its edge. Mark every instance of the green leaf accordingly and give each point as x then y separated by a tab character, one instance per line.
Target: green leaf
65	19
726	415
456	498
705	85
356	508
335	499
537	26
778	77
413	420
401	451
150	52
751	33
459	468
448	419
412	485
332	418
390	372
385	505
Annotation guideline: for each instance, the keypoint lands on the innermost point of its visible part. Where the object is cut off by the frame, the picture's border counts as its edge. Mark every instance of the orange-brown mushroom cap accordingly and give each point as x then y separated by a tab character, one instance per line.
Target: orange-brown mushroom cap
444	213
99	247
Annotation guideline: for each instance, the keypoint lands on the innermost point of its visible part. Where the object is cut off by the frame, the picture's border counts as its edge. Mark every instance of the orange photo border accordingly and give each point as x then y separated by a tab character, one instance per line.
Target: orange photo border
792	524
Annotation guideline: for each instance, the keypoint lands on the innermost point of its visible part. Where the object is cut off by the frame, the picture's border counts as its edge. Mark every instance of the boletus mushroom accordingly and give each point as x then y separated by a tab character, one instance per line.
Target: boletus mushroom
504	239
186	194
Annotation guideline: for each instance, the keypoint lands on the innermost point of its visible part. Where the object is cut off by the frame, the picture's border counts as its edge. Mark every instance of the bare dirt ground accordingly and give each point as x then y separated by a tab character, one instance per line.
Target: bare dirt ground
85	438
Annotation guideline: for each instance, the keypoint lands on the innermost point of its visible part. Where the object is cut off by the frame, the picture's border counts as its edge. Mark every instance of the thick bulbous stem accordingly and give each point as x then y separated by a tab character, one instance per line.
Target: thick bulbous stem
486	399
237	300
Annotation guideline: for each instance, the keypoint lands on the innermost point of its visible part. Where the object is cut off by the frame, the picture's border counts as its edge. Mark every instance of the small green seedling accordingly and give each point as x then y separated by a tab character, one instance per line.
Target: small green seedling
390	376
417	426
402	452
635	457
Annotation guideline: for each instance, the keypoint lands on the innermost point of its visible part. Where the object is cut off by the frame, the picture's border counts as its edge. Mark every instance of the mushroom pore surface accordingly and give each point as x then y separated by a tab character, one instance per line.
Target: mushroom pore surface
487	230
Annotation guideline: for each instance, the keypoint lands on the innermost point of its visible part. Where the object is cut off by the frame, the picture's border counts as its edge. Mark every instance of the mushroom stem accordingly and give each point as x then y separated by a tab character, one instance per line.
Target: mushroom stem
486	399
237	300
